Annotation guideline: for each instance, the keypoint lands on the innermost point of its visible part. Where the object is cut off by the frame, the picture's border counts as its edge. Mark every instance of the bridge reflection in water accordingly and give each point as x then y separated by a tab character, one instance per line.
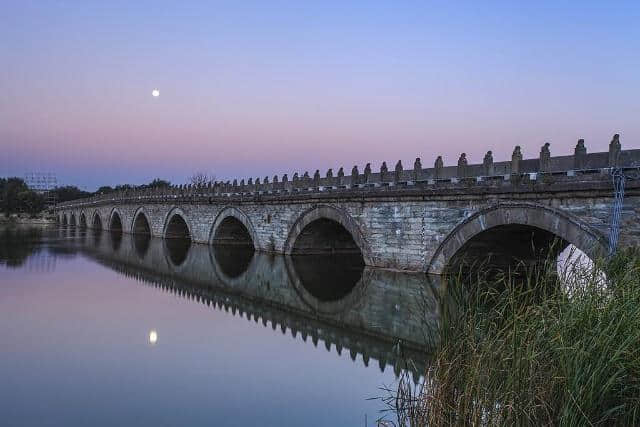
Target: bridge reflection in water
329	298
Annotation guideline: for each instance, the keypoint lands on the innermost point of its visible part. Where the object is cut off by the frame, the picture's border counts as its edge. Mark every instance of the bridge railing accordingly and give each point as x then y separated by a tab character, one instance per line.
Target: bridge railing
516	170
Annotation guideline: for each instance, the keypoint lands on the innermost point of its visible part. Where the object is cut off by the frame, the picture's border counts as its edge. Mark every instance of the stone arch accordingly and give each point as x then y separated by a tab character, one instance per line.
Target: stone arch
559	223
115	215
64	220
136	228
239	215
176	211
96	221
178	238
336	215
116	229
83	220
72	220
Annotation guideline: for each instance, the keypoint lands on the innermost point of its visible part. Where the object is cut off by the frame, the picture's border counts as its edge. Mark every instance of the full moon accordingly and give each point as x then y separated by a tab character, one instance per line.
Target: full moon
155	93
153	337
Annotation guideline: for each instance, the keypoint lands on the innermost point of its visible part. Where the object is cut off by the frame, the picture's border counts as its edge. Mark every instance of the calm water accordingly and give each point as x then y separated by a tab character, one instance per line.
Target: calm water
100	329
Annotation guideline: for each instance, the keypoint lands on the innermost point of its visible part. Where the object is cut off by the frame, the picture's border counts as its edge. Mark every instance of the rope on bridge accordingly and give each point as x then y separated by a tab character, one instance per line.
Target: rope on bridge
618	199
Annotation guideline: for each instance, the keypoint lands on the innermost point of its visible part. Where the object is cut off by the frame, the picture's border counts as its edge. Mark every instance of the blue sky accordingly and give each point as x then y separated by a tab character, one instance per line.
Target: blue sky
259	88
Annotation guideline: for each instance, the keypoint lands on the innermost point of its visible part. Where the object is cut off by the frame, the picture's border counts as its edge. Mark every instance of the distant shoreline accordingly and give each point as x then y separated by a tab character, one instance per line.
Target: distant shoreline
25	220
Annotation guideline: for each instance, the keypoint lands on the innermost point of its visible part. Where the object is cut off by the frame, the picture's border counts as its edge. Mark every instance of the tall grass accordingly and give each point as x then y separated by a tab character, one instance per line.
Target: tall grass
535	347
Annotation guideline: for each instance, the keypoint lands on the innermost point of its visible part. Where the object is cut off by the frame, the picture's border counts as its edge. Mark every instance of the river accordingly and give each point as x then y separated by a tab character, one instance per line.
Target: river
100	329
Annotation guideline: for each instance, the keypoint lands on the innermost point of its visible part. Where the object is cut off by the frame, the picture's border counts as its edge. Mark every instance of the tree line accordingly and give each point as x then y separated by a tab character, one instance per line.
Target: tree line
16	196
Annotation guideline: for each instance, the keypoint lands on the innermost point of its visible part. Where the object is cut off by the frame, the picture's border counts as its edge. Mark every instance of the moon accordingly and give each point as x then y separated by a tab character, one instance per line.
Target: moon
153	337
155	93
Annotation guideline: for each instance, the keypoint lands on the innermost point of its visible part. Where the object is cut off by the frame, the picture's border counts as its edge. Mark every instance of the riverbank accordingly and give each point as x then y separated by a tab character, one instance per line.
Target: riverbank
24	219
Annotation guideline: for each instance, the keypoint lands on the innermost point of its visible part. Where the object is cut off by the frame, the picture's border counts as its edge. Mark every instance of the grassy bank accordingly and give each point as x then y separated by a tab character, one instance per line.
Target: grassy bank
540	348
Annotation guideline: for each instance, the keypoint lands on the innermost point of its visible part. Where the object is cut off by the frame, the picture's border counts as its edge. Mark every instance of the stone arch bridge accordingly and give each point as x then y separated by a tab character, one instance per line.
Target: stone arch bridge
417	220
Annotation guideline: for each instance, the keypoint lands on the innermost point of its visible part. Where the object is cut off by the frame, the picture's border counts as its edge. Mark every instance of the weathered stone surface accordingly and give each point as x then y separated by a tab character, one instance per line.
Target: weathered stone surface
402	231
415	221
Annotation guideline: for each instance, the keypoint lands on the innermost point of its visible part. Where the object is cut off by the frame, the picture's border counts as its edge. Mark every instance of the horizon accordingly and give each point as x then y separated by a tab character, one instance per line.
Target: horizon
263	90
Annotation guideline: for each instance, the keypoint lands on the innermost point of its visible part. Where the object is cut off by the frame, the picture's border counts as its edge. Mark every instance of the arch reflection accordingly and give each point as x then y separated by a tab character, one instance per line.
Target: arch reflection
97	235
233	260
354	308
141	243
116	239
115	230
97	222
177	250
329	277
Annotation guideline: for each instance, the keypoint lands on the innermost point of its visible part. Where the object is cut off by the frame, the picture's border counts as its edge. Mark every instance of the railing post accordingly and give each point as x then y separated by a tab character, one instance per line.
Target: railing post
437	168
516	158
614	151
462	165
545	158
488	164
580	155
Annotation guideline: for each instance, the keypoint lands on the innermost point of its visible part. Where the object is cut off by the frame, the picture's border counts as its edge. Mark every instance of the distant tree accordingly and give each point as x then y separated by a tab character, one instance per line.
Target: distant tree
70	192
158	183
16	196
124	187
3	186
31	202
10	191
105	189
201	178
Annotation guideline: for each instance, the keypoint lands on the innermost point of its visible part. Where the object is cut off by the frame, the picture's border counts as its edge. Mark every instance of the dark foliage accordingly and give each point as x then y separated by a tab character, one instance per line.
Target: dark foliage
15	196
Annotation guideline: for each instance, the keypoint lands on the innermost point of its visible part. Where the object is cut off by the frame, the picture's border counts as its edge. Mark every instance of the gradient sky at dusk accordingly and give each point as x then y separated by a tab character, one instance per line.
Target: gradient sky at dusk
259	88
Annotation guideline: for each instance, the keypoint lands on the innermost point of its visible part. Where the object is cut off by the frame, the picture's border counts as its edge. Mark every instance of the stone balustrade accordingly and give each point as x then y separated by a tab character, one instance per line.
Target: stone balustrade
578	165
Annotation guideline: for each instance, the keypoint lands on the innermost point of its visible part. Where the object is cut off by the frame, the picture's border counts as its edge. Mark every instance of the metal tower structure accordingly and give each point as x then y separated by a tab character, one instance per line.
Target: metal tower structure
43	183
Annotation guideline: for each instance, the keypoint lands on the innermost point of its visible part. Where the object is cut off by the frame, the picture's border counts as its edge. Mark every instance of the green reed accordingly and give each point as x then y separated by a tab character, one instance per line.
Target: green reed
534	347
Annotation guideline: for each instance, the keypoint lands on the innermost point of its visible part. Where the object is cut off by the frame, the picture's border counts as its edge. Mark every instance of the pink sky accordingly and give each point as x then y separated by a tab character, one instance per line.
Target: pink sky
257	92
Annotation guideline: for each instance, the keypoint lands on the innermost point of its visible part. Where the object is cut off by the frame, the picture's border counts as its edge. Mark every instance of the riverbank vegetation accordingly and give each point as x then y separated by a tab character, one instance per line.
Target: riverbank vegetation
538	348
17	197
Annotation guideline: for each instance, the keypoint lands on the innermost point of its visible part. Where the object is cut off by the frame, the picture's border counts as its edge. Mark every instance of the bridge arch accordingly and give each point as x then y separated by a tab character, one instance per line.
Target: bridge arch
504	219
140	223
141	231
233	226
116	228
72	220
176	224
83	220
96	221
63	219
115	220
177	237
327	223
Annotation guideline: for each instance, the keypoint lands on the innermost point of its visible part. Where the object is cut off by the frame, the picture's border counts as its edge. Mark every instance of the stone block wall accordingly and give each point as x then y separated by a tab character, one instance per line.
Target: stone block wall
404	232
